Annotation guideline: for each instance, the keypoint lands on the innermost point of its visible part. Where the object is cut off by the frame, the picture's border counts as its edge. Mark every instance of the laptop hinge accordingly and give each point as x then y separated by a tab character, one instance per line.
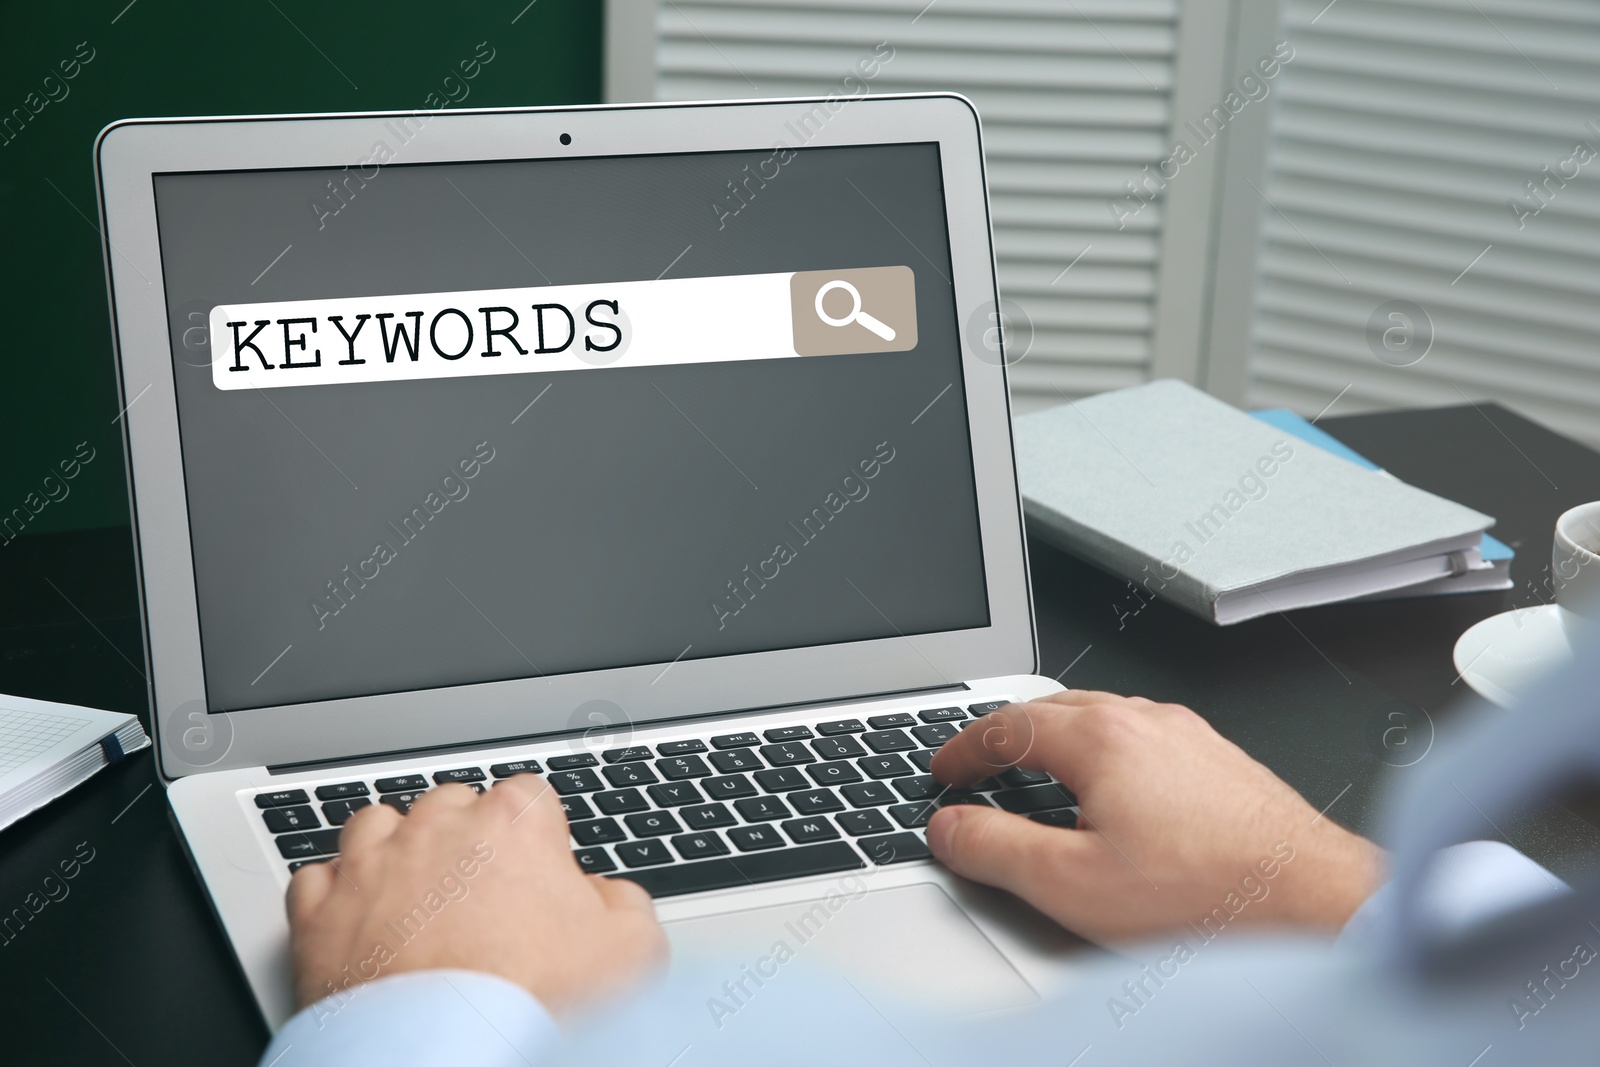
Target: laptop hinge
556	735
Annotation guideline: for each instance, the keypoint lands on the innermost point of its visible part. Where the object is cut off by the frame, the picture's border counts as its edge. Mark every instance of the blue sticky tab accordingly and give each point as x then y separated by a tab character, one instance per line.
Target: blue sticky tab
1495	550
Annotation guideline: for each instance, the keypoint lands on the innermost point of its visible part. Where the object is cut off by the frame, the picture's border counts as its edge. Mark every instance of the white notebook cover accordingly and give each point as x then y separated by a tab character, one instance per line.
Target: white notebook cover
1196	502
48	748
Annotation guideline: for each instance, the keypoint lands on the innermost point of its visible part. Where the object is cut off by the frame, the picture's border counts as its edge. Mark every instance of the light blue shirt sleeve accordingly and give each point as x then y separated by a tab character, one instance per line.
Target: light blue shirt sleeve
444	1016
1471	883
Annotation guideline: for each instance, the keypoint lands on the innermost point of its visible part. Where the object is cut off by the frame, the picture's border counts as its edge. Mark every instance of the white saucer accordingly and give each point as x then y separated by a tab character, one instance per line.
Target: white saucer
1502	655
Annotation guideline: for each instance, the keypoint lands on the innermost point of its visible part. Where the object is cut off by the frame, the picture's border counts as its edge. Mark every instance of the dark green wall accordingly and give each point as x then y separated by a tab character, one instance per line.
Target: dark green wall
180	57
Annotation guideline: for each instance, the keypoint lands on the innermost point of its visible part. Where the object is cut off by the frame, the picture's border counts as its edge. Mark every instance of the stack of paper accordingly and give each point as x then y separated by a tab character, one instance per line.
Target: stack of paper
1229	517
47	749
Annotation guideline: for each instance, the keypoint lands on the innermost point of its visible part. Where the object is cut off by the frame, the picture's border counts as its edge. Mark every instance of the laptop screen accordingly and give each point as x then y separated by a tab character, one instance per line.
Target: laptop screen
457	423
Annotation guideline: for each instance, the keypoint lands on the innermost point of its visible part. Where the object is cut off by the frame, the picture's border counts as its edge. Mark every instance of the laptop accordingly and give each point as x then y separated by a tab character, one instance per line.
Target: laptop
660	450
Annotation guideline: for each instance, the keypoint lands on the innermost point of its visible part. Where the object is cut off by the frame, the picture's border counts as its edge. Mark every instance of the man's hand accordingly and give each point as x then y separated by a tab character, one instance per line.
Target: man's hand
1177	824
484	883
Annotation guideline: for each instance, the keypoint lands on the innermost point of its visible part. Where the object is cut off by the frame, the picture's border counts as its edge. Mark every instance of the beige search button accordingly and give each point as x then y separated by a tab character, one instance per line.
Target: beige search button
868	309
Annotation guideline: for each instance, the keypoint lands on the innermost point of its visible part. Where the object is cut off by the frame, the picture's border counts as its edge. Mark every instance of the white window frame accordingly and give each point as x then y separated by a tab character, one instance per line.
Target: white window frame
1201	329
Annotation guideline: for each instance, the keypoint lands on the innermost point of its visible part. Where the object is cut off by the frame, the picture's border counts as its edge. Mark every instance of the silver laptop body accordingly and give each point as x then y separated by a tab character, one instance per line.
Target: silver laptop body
466	443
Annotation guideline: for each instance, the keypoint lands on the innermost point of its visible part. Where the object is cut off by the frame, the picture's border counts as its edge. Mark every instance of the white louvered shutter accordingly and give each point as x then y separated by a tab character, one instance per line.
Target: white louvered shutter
1404	128
1076	98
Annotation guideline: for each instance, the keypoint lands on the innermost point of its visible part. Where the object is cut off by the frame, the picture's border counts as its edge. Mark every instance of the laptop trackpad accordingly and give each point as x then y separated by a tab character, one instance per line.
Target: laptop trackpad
914	940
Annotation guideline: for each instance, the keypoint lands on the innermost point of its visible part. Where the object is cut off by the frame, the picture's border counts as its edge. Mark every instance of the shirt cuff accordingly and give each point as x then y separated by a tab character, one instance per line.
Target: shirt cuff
1469	883
420	1016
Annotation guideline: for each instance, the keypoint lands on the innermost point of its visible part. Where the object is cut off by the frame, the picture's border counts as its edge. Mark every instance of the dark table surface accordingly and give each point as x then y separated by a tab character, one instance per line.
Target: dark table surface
130	967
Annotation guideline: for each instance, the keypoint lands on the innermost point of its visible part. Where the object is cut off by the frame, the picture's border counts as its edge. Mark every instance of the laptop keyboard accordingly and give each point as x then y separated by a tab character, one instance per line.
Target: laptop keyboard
721	812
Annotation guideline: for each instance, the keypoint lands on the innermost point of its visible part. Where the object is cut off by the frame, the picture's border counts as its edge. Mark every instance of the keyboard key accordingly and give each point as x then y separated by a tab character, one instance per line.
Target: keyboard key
297	864
624	774
744	740
593	860
573	762
762	809
833	773
895	848
283	798
1062	817
810	831
935	734
460	774
401	802
917	787
740	759
632	754
598	832
728	787
405	783
755	838
884	766
733	871
707	816
566	783
868	794
841	726
338	812
922	759
782	780
1017	777
576	808
883	741
675	794
700	846
942	715
788	754
652	824
815	801
889	722
980	710
838	748
912	816
284	820
952	797
682	748
1034	798
677	768
860	823
621	802
341	791
780	734
643	853
499	770
299	846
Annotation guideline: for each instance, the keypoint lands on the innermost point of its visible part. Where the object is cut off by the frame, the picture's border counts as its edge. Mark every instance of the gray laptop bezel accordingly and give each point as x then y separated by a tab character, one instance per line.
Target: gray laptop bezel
188	740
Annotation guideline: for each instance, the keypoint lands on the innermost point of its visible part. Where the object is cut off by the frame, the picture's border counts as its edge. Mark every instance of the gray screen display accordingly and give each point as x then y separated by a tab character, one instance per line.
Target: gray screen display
367	537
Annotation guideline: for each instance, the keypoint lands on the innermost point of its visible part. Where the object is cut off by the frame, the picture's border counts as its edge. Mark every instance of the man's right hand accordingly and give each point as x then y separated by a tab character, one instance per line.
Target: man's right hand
1176	822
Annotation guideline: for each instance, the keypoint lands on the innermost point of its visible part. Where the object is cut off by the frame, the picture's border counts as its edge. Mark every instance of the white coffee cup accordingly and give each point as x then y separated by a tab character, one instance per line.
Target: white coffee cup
1575	561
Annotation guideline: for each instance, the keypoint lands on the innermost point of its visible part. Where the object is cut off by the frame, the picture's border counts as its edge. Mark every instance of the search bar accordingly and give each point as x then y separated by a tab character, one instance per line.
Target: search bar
406	337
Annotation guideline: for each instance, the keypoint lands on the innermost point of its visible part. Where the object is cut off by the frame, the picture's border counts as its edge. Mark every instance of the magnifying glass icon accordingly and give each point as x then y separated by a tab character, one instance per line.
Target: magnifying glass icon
855	314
